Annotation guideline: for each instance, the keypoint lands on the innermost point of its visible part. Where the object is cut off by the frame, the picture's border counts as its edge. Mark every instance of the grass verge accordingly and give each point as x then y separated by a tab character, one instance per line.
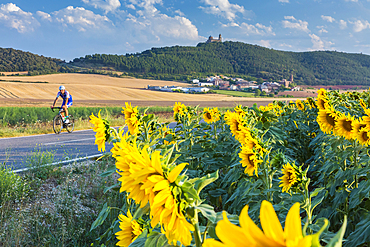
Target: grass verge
58	207
235	93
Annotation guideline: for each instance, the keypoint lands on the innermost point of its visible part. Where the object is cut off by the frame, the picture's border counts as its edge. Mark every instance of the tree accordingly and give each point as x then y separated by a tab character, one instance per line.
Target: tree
257	93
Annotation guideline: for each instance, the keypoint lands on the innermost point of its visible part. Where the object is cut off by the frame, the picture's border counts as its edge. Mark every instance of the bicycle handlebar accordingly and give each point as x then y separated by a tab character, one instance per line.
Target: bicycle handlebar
57	107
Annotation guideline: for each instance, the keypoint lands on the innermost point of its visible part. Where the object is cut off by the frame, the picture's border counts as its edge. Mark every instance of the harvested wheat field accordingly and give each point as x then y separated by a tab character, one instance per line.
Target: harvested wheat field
100	90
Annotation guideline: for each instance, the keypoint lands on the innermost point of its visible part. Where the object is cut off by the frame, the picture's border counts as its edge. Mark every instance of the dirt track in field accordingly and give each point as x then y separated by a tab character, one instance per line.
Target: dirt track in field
100	90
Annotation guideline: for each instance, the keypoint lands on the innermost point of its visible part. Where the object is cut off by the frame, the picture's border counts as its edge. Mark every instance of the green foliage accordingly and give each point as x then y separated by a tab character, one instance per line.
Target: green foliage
12	186
12	60
234	93
237	58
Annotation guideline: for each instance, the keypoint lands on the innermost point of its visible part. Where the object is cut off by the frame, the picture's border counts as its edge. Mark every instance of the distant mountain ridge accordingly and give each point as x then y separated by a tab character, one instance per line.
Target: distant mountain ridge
237	58
229	58
12	60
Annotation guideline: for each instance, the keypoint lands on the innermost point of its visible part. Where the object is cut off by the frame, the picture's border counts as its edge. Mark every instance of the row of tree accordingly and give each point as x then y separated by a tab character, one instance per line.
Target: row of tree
231	58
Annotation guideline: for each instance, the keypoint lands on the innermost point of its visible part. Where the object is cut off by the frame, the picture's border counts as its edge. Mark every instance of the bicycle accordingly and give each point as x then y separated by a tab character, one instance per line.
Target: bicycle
59	124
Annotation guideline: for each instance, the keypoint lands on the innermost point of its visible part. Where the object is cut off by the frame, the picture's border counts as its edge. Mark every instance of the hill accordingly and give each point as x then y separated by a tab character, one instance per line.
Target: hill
12	60
237	58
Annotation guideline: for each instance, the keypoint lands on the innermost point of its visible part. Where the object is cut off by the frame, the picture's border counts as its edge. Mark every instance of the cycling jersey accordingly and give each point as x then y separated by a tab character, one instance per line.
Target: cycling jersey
66	97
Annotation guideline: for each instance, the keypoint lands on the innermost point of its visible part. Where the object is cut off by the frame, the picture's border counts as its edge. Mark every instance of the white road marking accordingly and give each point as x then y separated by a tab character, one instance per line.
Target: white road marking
41	135
62	162
78	140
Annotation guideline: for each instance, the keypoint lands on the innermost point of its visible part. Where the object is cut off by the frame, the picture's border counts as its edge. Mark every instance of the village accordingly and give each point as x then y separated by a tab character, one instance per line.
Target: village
219	82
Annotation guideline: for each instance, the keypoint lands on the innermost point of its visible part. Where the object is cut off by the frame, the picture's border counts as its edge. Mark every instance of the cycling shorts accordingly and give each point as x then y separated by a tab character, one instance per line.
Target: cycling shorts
69	103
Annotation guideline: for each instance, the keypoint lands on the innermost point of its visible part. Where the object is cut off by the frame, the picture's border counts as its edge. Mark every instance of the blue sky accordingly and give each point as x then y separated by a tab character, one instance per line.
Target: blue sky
69	29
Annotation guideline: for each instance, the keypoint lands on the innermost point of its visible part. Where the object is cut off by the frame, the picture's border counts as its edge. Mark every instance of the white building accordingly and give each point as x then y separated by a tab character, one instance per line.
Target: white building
195	81
204	84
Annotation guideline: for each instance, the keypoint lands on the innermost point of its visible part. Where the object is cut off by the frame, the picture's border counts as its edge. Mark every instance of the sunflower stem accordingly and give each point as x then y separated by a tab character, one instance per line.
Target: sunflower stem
196	233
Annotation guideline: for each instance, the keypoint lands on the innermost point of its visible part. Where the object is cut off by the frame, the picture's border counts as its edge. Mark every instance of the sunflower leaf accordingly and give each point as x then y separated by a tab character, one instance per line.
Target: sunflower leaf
101	217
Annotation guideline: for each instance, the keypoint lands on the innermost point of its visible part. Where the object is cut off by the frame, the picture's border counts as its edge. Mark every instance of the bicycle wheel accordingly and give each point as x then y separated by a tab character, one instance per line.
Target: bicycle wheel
71	125
58	124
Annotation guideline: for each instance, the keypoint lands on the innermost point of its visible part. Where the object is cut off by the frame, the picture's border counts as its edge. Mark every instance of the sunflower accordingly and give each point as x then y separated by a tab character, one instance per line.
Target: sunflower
235	121
357	125
101	127
131	118
179	109
208	115
165	208
299	104
168	132
250	160
322	103
238	109
343	126
289	178
363	136
327	119
321	92
143	178
135	166
130	230
249	234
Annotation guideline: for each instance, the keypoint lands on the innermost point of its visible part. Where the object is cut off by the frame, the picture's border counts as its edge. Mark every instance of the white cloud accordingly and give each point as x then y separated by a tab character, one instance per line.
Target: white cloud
358	25
179	12
318	44
289	18
106	5
327	18
342	24
149	24
14	17
44	16
249	29
130	6
80	18
295	24
322	29
264	43
222	8
283	1
355	1
286	45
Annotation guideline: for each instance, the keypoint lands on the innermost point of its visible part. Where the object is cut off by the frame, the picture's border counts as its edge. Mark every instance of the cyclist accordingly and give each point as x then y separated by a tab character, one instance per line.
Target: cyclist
67	101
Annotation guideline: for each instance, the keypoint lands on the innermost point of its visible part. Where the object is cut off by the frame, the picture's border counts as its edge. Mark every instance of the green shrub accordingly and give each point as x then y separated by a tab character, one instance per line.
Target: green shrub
12	186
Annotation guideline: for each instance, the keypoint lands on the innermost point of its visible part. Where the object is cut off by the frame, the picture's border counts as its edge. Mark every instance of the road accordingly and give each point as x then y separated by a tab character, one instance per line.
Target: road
18	151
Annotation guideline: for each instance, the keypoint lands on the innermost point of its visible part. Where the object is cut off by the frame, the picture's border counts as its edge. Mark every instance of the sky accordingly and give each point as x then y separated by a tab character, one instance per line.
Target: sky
72	29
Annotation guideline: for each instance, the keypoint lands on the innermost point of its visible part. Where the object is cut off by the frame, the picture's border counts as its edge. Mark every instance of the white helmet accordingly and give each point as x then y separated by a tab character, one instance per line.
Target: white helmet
62	87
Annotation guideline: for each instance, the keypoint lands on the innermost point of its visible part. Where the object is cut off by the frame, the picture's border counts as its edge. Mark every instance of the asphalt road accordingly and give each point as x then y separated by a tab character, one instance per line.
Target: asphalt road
19	152
16	152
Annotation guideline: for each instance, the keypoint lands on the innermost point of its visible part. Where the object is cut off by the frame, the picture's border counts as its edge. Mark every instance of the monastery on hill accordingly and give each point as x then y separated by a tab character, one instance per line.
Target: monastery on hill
211	39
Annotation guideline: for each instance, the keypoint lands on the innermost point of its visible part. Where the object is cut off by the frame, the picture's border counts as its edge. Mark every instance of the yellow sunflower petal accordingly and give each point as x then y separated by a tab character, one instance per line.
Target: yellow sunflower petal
270	223
175	172
293	227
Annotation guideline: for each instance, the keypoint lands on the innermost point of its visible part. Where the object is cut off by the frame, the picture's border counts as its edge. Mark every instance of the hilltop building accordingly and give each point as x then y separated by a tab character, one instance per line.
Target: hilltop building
286	83
211	39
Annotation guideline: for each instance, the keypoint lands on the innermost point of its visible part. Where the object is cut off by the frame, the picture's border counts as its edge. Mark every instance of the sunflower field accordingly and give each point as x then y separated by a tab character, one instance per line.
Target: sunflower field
285	174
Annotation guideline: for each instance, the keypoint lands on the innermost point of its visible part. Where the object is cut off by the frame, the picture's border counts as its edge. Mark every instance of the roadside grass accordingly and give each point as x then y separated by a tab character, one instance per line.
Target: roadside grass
113	115
59	204
235	93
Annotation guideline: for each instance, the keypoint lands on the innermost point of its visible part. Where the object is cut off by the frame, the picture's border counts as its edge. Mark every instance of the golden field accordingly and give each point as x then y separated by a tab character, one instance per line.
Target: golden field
101	90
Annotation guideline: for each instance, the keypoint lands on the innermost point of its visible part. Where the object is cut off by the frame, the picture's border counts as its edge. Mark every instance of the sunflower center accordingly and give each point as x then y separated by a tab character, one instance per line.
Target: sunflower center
322	103
365	137
250	160
330	120
208	115
347	125
362	126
